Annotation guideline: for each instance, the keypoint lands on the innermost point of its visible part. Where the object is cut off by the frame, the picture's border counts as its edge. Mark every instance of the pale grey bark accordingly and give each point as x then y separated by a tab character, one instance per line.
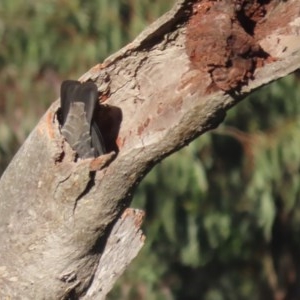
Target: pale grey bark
56	214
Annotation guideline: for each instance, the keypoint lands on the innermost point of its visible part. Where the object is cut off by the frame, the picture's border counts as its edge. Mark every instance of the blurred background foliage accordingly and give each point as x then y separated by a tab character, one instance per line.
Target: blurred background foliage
223	215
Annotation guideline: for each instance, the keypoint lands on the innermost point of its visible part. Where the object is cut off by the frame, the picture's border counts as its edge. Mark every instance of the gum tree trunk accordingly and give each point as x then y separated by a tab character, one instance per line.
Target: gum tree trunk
65	232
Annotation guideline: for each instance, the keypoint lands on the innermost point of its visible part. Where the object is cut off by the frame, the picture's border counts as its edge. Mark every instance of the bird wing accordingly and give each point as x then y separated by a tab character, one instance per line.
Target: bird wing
78	102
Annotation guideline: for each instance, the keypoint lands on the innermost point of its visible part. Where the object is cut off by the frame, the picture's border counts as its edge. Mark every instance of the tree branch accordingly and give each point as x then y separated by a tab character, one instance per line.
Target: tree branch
170	85
123	244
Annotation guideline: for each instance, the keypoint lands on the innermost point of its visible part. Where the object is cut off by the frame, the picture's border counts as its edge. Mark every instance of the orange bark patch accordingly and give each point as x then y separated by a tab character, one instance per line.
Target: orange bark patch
135	214
220	40
49	121
142	127
120	142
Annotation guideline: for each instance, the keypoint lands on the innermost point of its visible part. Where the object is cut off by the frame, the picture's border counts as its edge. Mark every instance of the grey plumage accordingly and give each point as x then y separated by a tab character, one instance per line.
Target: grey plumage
78	102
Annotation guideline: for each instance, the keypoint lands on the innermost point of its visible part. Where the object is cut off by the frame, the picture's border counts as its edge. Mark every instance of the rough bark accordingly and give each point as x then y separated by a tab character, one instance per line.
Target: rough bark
170	85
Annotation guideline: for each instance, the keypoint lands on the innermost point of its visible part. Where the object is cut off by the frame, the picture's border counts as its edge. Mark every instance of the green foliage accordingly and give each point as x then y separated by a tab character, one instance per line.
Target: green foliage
214	204
223	214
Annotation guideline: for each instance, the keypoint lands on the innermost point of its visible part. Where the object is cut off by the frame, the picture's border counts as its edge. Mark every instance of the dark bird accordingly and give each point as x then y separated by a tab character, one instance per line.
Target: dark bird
78	102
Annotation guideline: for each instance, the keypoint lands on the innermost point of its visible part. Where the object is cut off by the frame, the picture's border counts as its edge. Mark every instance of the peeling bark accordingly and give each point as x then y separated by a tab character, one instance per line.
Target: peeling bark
170	85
